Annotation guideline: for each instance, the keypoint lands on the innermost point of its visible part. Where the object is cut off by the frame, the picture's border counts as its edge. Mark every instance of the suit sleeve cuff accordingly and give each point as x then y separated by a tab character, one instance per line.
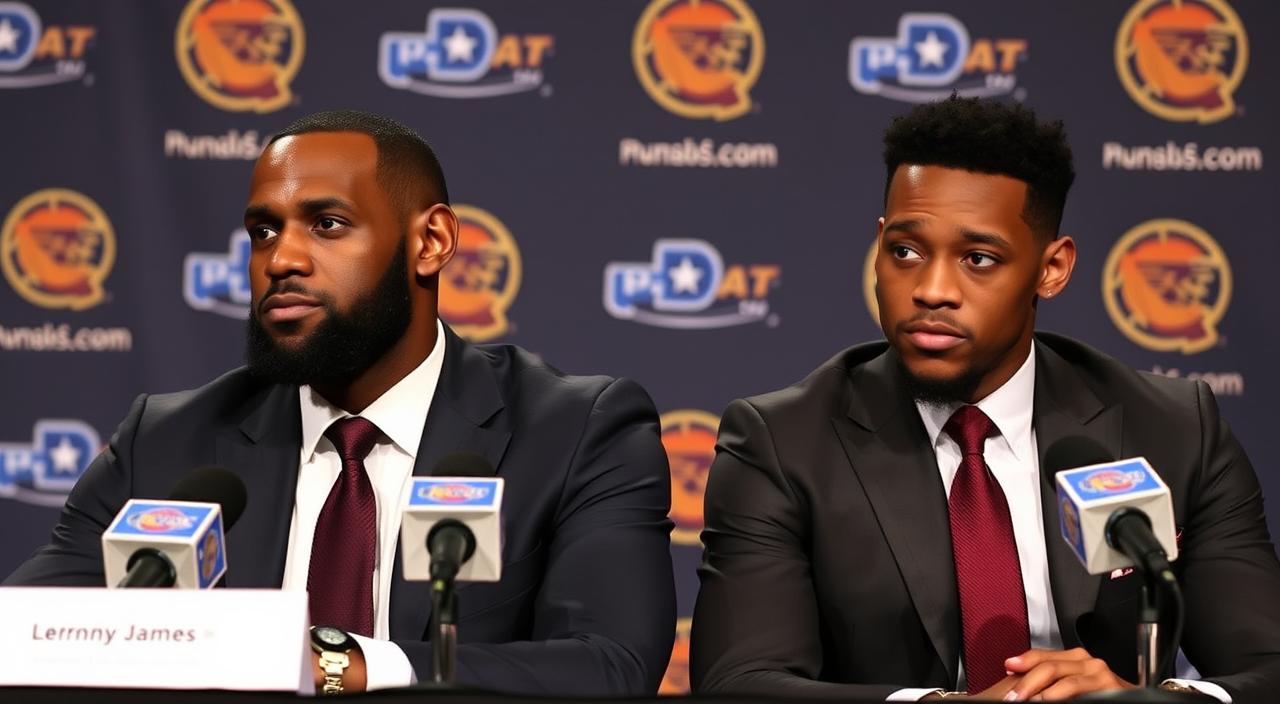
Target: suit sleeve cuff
915	694
386	665
1204	687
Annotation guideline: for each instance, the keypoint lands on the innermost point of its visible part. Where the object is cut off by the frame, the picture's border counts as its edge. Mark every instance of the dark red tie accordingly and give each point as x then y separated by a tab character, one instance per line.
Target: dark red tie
993	605
340	578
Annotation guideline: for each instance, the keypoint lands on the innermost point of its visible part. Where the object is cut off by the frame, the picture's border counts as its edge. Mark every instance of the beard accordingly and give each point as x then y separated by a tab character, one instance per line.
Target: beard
343	345
941	392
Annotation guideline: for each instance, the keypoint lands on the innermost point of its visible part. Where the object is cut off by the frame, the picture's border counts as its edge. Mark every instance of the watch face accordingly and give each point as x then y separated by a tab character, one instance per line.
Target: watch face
330	637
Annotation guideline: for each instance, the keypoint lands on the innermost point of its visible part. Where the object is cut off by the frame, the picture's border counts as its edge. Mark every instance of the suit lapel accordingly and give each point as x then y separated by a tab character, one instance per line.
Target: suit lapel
1066	407
263	451
888	449
465	416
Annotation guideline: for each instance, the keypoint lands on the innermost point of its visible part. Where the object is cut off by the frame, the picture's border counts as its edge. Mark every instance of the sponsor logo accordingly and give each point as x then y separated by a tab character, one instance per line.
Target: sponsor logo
1071	524
56	248
234	145
463	56
481	281
240	55
1111	481
933	57
1166	285
1182	60
699	58
161	520
689	437
209	555
32	54
43	471
869	282
454	493
676	680
219	283
688	286
1180	157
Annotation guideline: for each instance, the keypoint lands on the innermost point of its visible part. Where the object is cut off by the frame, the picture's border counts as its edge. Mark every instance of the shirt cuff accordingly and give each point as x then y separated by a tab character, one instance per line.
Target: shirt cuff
915	694
1203	687
386	665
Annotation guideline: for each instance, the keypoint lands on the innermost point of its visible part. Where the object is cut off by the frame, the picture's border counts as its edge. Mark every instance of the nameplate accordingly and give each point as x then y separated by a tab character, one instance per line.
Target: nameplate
241	639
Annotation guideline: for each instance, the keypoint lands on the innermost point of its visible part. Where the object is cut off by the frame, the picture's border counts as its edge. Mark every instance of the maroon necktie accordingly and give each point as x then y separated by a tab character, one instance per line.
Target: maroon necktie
340	577
993	605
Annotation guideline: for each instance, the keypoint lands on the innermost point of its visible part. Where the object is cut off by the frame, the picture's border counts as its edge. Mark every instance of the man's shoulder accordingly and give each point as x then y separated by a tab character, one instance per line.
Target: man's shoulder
218	399
1115	382
825	390
524	377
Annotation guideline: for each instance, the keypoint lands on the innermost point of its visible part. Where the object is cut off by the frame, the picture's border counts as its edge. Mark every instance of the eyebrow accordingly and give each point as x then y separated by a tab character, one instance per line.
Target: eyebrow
908	226
258	211
987	238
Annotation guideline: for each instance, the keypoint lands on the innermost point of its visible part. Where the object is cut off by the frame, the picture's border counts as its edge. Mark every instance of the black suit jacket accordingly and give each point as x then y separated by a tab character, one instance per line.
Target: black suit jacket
828	567
586	604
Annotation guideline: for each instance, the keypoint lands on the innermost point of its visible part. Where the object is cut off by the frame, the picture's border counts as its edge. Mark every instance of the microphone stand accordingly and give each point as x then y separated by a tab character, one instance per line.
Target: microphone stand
444	623
1149	663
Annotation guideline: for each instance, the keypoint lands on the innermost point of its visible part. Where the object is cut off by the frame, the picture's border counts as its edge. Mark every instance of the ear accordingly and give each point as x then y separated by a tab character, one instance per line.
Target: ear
1056	266
433	238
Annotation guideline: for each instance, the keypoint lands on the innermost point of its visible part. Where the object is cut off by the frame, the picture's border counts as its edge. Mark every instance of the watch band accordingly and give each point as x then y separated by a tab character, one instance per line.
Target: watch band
332	646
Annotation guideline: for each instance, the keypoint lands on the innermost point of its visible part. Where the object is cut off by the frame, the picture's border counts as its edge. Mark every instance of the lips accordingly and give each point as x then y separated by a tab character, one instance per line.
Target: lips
933	337
287	307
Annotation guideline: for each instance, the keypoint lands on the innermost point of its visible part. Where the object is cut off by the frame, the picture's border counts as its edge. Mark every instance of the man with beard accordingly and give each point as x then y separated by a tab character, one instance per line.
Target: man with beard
353	385
888	523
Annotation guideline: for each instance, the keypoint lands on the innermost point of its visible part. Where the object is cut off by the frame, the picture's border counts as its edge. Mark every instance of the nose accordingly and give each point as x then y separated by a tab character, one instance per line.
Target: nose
290	255
936	286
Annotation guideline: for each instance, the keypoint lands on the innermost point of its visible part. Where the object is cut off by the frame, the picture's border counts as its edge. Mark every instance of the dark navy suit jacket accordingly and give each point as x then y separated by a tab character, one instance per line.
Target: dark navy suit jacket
586	604
825	509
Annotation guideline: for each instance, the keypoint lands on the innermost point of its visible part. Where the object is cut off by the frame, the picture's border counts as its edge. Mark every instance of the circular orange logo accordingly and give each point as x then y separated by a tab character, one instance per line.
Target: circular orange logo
869	282
699	58
689	437
1182	59
1166	285
56	248
676	680
240	55
480	282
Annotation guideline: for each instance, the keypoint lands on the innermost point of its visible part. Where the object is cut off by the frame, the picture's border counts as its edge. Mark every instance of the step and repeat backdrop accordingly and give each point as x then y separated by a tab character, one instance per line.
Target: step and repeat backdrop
679	191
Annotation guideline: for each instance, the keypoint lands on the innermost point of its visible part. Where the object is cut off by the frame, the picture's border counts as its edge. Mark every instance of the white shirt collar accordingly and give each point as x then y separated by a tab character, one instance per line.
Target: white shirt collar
1009	407
400	412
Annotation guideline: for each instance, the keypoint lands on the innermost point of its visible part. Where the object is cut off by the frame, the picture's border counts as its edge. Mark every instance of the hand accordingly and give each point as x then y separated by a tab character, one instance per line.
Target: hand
354	679
1051	675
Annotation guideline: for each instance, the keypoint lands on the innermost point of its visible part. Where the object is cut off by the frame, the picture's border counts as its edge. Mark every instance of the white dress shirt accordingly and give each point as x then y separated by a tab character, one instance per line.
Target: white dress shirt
1014	460
401	414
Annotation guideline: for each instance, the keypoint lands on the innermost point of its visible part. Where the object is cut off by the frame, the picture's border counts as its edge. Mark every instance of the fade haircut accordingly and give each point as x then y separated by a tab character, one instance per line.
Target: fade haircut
408	170
989	137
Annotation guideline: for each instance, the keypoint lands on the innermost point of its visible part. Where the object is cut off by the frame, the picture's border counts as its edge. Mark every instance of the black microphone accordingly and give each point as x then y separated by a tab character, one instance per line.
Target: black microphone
451	542
153	565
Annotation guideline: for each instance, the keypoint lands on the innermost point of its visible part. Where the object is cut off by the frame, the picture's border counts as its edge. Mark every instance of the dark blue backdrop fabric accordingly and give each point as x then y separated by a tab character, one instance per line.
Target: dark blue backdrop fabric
680	192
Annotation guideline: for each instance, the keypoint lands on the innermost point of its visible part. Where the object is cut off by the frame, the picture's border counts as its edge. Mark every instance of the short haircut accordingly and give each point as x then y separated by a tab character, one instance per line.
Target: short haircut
990	137
408	169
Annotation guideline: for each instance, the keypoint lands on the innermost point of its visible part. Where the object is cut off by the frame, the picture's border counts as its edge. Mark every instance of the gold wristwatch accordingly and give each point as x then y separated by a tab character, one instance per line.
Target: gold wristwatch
332	645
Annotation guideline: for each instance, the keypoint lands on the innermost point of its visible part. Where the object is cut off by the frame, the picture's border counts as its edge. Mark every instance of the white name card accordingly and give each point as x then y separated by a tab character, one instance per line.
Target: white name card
243	639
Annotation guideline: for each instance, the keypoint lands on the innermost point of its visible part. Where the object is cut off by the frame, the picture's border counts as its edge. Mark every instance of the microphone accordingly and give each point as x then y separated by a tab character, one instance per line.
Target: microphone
1113	514
451	528
179	541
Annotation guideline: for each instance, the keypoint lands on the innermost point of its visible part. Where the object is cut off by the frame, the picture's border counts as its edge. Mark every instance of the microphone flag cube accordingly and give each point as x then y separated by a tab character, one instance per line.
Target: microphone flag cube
1087	496
189	533
474	502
